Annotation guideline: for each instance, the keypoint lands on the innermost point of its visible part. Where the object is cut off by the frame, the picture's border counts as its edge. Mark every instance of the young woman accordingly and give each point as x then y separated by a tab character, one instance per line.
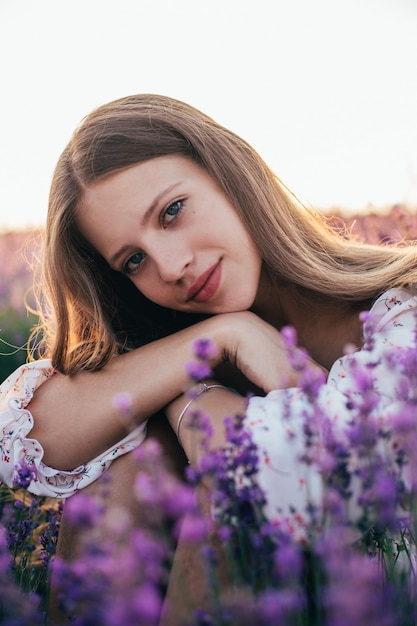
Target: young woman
164	227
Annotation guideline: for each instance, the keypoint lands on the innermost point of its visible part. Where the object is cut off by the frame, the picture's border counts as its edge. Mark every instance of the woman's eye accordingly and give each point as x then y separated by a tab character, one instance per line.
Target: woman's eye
133	263
172	212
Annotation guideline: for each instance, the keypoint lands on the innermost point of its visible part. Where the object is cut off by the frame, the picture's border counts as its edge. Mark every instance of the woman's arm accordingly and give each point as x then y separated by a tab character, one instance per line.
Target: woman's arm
75	417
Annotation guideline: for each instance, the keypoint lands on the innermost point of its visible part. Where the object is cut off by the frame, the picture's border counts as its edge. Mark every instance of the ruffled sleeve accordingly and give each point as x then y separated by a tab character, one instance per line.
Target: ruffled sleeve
17	447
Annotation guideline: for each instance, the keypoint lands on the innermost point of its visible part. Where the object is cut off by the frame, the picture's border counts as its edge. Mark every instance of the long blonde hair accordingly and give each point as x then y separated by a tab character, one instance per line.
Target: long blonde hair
90	313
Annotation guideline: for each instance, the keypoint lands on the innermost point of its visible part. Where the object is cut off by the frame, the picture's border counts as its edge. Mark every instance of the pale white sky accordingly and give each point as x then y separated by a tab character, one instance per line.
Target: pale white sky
325	90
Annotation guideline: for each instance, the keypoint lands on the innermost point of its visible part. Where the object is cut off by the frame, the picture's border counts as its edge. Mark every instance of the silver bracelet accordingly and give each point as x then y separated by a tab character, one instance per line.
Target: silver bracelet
203	388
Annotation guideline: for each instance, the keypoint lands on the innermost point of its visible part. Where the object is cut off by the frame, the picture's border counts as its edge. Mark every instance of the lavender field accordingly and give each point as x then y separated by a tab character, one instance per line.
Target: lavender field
391	227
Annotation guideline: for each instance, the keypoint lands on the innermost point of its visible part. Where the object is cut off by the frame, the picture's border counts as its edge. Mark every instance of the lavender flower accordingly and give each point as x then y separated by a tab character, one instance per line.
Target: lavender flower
84	511
200	368
123	403
205	350
198	371
24	474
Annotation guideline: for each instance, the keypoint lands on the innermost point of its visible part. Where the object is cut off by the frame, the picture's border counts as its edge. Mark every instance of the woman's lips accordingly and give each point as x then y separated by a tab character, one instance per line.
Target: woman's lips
206	284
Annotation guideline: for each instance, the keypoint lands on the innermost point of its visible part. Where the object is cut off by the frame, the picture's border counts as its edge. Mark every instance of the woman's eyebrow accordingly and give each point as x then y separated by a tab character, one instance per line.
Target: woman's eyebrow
149	212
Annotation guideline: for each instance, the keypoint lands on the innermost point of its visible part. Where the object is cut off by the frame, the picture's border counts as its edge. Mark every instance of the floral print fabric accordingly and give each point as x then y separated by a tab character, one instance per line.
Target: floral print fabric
16	445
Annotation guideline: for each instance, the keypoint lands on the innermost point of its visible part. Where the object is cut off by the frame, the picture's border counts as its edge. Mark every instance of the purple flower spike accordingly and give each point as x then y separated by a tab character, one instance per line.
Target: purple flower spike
123	403
289	334
204	349
24	474
83	510
198	371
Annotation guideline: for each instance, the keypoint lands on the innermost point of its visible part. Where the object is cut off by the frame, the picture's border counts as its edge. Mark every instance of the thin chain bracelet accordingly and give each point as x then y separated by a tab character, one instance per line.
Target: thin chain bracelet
203	389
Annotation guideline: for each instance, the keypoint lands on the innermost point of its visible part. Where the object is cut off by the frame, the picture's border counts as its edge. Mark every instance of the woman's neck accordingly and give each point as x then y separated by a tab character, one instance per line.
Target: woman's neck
324	328
327	330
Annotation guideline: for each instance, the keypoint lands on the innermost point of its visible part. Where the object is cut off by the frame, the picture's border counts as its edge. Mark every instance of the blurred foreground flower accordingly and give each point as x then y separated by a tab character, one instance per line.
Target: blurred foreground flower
354	562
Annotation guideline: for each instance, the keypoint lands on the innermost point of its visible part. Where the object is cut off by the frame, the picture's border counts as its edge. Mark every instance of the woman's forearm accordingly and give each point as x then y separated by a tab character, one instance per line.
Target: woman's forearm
76	417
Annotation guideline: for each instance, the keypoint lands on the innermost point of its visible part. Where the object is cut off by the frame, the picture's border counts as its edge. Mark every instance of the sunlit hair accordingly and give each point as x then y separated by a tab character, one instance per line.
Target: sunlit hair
92	313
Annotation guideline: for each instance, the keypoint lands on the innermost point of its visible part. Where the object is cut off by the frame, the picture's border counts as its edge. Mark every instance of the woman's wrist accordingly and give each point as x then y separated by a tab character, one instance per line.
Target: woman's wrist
193	395
215	402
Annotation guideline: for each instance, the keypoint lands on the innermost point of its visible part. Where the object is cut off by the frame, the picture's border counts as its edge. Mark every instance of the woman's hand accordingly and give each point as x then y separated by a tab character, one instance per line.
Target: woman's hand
258	350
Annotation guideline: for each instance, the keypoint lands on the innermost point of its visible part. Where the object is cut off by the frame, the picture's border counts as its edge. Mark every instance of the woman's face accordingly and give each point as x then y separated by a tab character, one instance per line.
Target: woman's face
167	226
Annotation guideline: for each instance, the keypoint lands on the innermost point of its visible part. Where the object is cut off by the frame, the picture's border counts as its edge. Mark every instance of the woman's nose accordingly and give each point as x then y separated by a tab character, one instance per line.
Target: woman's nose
172	264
